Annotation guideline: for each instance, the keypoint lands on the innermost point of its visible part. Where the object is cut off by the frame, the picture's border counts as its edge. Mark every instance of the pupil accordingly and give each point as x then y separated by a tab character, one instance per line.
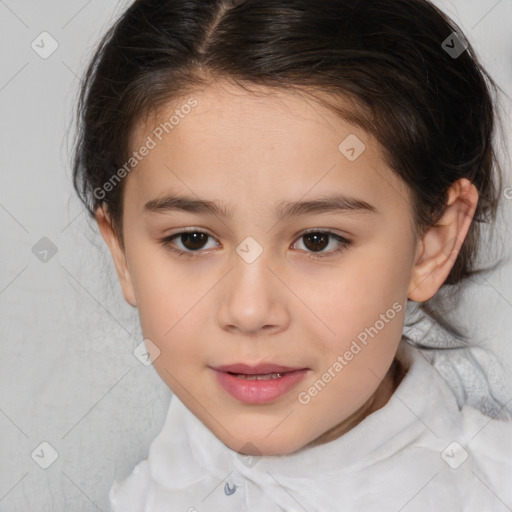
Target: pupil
193	240
322	237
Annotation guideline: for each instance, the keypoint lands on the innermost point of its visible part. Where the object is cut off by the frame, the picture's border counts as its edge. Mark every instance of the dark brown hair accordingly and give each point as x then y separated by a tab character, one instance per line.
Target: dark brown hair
431	109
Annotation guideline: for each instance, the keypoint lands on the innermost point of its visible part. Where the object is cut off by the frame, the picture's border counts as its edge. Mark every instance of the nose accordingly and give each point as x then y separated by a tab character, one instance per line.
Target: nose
254	298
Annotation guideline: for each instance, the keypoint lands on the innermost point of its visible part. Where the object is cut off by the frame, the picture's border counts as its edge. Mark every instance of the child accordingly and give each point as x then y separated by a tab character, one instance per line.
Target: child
277	180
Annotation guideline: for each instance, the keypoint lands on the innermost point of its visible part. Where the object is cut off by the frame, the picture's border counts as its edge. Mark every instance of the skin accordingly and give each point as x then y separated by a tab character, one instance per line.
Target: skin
289	306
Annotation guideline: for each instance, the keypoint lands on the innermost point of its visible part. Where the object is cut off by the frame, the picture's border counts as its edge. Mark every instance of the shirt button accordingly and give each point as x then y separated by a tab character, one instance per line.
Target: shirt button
234	482
230	488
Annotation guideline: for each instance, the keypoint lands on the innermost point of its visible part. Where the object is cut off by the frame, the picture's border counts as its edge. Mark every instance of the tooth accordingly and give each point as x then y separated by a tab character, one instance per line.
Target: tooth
266	376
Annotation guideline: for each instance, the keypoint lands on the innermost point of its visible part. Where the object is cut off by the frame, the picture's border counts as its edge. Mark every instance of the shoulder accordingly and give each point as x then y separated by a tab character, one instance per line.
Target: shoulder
488	442
469	451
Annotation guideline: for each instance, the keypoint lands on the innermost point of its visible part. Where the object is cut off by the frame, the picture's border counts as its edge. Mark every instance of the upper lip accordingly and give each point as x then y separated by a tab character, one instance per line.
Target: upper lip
259	369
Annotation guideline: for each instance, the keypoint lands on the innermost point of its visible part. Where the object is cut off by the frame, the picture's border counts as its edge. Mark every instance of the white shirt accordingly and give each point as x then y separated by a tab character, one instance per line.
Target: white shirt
419	452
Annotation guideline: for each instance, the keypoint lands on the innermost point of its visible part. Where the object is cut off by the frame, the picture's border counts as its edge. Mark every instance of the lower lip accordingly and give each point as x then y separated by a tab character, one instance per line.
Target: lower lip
259	391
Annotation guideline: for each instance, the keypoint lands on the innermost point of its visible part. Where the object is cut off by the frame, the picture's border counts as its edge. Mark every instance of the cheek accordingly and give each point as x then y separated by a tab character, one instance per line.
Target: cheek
366	285
160	289
171	302
366	311
167	306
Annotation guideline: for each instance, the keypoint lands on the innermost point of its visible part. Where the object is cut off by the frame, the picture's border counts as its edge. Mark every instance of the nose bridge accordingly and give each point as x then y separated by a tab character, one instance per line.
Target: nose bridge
251	298
251	265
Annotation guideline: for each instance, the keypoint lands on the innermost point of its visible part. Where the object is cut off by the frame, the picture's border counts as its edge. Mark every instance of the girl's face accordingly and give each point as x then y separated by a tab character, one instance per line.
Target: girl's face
248	290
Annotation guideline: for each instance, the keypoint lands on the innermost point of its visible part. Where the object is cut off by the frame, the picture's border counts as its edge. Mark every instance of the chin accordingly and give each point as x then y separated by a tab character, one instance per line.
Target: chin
262	443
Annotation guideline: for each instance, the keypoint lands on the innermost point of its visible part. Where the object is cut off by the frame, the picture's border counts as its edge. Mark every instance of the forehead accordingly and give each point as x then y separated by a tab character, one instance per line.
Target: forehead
251	146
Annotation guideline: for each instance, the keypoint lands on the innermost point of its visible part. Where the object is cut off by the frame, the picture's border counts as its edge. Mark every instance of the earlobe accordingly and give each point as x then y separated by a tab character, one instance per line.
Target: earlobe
118	254
440	245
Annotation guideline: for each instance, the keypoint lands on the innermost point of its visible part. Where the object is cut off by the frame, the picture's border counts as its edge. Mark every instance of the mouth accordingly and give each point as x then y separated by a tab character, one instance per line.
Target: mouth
264	376
260	384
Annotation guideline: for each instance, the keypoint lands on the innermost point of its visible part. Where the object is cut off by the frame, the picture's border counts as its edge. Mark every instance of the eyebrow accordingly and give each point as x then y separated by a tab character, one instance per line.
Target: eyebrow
337	203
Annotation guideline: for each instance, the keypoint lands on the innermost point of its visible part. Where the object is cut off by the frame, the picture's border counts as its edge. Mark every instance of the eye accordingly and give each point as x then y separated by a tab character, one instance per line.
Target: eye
193	241
316	241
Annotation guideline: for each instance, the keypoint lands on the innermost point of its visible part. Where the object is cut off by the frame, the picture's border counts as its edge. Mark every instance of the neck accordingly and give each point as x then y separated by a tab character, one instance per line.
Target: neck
378	400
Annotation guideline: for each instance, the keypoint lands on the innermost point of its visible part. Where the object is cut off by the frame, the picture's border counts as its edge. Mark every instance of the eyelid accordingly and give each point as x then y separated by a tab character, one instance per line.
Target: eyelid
330	231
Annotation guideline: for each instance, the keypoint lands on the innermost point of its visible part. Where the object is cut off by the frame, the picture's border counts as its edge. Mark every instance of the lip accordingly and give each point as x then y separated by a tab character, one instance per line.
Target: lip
258	391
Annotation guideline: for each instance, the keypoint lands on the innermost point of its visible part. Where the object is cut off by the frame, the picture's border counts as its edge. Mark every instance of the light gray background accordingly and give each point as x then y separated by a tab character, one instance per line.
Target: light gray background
67	369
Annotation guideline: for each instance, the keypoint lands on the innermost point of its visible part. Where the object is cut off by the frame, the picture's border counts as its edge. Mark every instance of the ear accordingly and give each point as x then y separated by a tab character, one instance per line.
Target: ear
118	255
439	246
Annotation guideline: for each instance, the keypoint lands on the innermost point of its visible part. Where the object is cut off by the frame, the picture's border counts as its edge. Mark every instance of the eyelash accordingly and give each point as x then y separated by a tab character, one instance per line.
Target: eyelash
345	243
